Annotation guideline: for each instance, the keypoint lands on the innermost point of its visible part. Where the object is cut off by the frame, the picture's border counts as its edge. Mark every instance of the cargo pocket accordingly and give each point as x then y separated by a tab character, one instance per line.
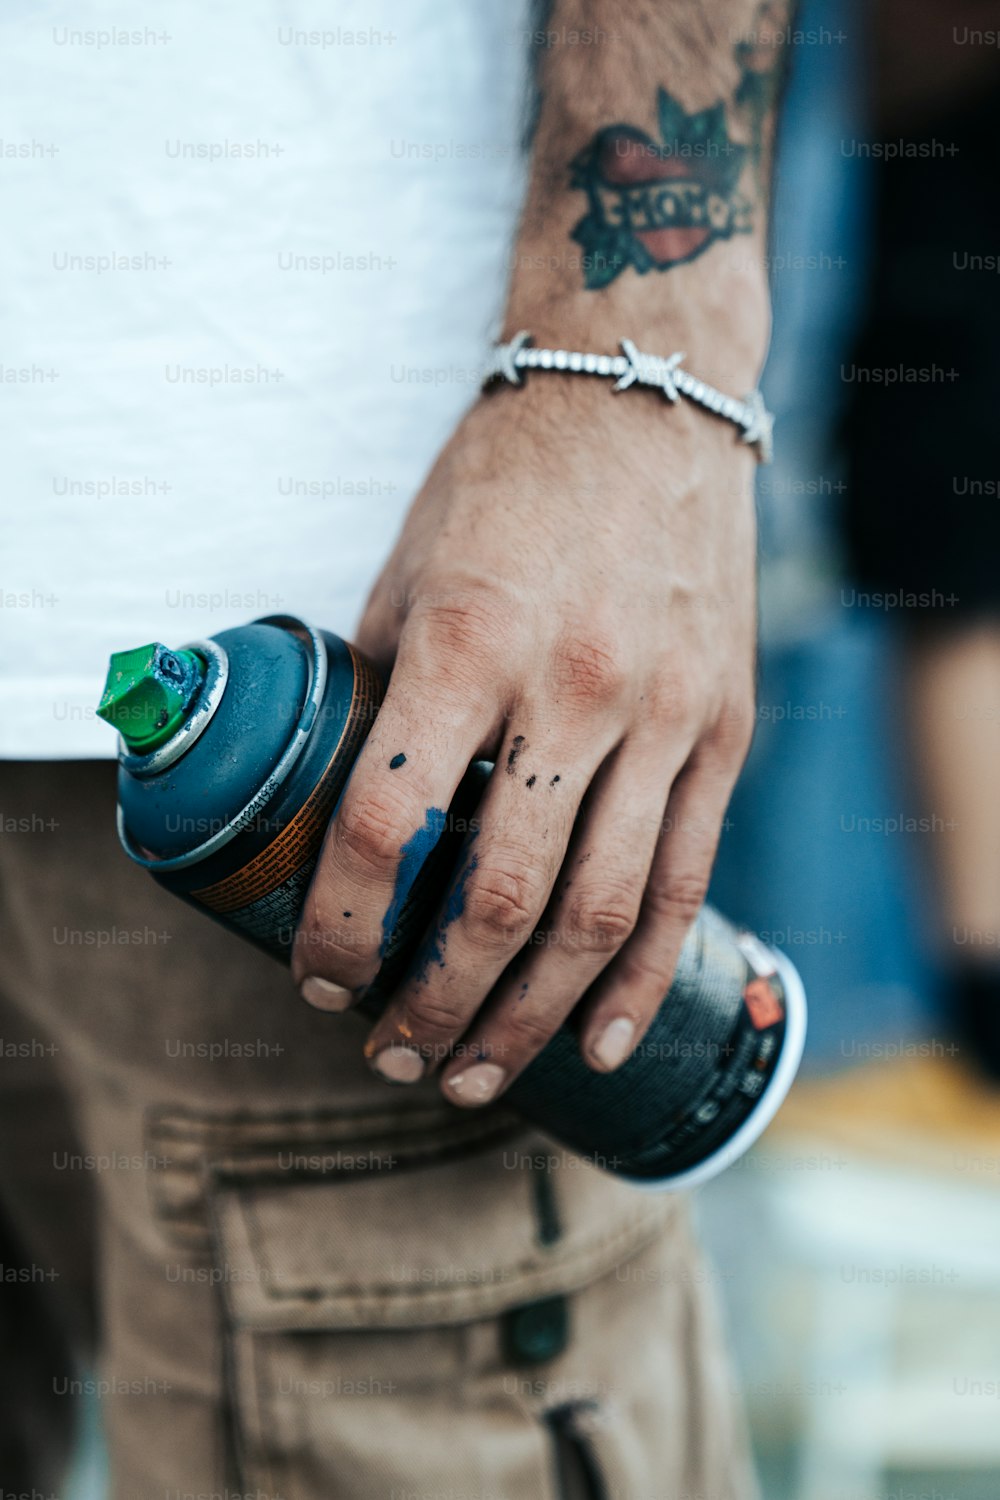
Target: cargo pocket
480	1326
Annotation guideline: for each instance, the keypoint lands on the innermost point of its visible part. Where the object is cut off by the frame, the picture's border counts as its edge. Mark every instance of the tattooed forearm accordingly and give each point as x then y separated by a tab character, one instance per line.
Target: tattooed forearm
663	115
652	123
656	202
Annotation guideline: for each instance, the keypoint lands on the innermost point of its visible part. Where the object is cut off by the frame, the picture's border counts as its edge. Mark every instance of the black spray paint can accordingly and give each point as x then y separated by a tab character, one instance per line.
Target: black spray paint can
234	753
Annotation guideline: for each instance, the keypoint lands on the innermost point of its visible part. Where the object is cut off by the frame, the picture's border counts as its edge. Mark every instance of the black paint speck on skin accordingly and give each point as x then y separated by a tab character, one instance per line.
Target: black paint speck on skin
554	780
516	747
531	781
347	913
397	761
524	991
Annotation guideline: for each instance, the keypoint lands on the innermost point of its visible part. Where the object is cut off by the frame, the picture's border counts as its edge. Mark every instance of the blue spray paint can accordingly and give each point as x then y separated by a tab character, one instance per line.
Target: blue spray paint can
233	755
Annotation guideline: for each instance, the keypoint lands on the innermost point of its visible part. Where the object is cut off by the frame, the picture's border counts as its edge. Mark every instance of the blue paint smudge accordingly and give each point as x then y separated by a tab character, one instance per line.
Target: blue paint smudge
414	852
397	761
432	951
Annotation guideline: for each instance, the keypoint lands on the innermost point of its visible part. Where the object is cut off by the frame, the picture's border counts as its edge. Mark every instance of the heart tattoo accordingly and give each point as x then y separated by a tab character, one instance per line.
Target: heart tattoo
655	204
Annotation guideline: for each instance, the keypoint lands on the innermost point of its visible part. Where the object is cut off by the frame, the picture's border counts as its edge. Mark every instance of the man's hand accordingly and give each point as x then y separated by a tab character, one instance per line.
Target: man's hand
572	597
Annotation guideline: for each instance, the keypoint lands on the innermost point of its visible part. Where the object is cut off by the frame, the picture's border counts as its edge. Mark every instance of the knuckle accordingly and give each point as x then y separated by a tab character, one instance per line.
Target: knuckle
458	646
591	670
324	945
526	1033
433	1016
732	732
601	921
500	908
647	975
373	830
682	896
456	623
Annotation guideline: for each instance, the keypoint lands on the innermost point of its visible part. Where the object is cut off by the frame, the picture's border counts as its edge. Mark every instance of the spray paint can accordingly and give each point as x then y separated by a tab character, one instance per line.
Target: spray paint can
234	753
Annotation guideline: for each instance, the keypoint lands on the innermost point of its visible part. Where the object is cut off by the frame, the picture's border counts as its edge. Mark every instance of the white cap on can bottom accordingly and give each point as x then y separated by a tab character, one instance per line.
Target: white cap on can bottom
767	1105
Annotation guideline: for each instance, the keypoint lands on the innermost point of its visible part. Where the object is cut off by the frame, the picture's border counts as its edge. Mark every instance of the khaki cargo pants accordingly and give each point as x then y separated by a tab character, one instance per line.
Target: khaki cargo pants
295	1280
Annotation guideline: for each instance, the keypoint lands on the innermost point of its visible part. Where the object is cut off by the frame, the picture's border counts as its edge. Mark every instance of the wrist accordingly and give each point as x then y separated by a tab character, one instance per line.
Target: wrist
587	426
717	313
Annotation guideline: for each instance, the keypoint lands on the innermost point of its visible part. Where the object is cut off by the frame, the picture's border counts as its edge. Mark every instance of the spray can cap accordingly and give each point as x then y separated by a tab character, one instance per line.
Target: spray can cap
148	693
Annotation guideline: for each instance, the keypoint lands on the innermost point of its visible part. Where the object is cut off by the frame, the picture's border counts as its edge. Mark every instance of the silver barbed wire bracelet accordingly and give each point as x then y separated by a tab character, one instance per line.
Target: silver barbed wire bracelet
632	367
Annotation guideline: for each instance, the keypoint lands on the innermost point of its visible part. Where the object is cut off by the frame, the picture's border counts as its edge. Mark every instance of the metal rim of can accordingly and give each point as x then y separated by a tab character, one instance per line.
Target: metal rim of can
767	1105
310	708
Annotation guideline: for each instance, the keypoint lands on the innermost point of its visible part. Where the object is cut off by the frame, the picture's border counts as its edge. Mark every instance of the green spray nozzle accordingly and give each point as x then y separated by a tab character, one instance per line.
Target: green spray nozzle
148	693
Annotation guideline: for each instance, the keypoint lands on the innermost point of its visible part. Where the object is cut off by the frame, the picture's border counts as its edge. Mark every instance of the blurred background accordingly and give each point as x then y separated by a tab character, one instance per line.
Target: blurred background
857	1250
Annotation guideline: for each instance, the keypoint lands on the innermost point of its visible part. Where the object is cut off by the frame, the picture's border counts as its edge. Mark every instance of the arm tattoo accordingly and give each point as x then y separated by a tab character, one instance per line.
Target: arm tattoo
656	203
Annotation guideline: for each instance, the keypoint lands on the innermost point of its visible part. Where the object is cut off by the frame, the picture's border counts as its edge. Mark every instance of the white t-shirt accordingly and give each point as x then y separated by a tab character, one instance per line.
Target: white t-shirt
251	261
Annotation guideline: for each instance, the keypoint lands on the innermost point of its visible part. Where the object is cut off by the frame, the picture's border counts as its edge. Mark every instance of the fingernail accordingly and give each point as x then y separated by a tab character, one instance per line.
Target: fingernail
478	1084
324	995
399	1064
614	1043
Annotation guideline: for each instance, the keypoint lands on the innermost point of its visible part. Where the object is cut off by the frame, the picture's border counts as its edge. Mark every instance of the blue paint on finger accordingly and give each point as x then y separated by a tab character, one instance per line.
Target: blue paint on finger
432	951
414	852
